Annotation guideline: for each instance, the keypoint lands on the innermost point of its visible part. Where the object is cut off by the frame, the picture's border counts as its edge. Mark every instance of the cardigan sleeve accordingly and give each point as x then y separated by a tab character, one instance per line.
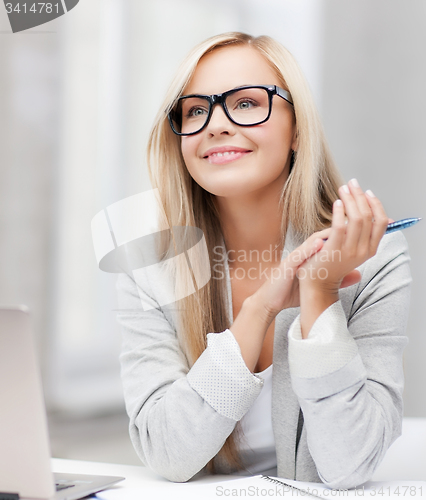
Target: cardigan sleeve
348	373
179	417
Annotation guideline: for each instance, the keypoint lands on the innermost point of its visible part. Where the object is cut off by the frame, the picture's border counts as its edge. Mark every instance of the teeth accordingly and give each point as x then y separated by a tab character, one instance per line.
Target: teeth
226	153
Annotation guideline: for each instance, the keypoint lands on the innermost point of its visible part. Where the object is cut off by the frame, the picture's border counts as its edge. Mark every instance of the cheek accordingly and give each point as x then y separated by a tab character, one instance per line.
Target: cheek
189	148
277	142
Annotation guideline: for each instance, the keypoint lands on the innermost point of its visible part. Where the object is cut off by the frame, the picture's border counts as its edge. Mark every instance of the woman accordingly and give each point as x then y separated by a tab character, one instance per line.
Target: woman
237	376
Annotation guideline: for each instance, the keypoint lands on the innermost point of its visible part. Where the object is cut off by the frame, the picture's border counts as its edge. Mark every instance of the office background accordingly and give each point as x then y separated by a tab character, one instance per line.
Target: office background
77	99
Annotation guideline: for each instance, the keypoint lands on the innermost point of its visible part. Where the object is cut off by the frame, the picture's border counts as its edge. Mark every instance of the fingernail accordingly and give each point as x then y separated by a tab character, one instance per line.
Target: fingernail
370	193
345	189
338	203
354	183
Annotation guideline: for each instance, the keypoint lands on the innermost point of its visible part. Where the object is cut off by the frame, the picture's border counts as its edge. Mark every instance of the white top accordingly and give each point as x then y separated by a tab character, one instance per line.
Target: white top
328	337
258	444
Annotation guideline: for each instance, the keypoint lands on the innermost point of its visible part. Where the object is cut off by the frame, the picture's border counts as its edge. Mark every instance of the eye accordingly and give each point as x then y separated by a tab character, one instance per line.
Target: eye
245	104
195	112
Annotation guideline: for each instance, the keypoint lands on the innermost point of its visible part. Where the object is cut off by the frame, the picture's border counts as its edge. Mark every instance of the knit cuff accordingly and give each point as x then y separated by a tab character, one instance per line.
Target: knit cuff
222	379
328	348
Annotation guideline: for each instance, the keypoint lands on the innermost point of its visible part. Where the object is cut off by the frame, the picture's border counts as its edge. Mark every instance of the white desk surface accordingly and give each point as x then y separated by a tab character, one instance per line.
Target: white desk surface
135	475
405	460
141	482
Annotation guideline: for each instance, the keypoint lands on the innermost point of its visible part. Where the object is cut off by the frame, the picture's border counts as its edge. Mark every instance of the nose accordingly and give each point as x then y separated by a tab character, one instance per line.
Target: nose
219	123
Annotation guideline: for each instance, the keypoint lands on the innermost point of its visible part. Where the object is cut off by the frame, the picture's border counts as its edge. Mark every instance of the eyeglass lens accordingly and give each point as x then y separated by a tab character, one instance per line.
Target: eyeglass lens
245	106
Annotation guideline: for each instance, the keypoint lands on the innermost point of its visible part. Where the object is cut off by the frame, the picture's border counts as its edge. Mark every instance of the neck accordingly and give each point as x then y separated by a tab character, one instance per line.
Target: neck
252	225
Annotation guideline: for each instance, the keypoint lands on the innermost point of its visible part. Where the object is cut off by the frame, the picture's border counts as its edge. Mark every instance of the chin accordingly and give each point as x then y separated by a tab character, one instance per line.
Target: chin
230	190
223	192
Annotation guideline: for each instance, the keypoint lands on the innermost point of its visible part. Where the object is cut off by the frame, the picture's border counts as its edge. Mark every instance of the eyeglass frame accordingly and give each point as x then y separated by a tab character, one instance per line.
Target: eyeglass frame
220	99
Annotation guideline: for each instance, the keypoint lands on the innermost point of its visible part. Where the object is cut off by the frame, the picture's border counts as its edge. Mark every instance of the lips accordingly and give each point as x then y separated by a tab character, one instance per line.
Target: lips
225	154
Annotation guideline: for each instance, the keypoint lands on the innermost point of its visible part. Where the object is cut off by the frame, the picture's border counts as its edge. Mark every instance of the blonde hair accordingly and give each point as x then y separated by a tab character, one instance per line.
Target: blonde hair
306	200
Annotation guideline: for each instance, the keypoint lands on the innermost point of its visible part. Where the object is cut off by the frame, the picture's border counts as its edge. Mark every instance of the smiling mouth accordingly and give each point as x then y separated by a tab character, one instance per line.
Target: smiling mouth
225	156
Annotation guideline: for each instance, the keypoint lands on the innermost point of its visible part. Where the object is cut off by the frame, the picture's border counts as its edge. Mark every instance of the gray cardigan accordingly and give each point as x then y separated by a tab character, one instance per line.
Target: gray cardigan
350	415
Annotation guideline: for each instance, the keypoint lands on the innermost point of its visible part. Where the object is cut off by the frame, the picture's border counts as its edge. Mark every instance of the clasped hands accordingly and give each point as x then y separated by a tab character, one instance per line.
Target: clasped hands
327	266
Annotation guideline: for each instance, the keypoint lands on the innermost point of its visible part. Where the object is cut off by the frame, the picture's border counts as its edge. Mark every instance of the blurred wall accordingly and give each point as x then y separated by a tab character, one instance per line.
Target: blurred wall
78	96
374	108
30	134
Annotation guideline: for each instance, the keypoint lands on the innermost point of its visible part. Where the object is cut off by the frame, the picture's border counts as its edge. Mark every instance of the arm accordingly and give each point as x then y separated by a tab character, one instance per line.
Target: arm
349	377
280	291
179	417
352	242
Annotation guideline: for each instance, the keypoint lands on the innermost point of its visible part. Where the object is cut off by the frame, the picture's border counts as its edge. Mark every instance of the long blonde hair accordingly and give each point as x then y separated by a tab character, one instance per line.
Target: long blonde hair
306	200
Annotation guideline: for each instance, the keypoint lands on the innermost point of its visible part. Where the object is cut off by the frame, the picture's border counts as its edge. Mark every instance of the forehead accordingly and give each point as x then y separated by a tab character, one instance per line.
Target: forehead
230	67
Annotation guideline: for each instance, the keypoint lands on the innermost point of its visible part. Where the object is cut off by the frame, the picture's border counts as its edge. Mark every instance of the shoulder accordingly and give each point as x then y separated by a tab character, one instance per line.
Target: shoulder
392	252
152	283
392	244
383	274
149	293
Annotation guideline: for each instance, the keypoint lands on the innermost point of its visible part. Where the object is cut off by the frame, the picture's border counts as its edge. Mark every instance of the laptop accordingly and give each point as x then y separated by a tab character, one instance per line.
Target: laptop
25	468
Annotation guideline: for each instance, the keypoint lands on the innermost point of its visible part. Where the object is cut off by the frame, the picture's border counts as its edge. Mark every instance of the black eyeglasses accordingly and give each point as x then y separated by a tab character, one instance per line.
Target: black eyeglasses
245	106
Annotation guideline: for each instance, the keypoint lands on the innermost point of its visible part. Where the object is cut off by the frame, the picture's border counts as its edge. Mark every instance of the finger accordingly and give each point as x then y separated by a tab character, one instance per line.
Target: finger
380	223
355	221
366	215
324	234
312	245
338	225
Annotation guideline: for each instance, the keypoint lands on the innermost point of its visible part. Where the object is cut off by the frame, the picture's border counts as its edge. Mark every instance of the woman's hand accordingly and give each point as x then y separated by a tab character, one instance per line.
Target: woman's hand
349	244
313	273
281	290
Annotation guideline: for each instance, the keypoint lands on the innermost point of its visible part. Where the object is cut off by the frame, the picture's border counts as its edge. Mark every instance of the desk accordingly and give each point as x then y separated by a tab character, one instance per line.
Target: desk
405	460
141	482
135	475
